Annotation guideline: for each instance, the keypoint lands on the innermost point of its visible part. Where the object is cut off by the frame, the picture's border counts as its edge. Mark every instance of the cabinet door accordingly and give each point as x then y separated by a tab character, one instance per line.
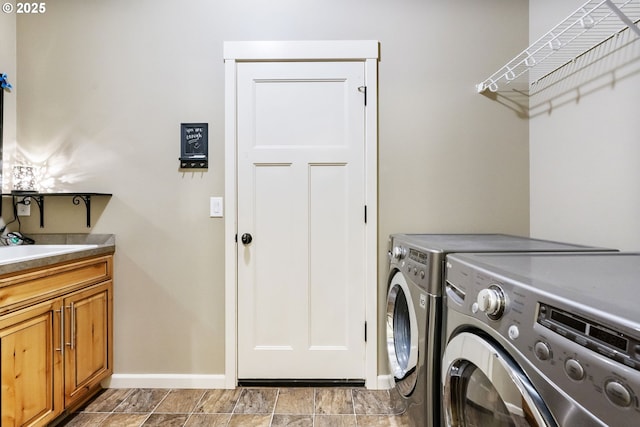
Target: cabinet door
88	328
31	365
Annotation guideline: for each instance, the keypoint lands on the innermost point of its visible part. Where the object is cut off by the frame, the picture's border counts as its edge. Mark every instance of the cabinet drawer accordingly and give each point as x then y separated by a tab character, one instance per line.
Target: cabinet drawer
19	290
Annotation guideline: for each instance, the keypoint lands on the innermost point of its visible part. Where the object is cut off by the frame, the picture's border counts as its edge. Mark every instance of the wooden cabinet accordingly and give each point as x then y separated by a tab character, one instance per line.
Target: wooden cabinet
55	344
31	365
87	358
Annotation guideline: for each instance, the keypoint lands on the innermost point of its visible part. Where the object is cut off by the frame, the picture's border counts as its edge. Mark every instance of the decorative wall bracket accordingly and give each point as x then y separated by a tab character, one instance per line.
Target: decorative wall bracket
26	199
86	198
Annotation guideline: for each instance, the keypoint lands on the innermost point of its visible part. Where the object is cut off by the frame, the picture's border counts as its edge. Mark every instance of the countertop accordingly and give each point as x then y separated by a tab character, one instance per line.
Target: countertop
106	244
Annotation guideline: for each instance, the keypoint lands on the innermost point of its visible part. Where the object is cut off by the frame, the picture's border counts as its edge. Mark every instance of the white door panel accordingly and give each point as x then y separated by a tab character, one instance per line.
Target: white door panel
301	292
319	121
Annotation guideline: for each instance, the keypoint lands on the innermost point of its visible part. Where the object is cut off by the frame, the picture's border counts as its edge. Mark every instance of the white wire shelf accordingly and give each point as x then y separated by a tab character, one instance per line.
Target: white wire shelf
593	23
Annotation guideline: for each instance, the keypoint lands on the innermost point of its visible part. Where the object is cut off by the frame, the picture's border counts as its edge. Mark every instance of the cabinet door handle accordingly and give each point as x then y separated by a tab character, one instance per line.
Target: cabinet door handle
61	311
72	326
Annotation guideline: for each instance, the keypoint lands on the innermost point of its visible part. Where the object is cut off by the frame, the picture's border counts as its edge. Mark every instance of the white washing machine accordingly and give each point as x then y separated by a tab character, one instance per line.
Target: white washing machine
542	340
414	309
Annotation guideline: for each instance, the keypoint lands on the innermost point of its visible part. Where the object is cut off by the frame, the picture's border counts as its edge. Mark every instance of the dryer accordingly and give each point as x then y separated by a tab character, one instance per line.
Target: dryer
414	310
542	340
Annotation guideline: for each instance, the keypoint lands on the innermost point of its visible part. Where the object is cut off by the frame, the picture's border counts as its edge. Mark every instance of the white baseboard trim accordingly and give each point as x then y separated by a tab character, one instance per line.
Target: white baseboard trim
385	382
165	381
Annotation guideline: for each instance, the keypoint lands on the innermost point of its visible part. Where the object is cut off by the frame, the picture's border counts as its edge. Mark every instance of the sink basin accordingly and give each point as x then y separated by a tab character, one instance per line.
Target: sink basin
11	254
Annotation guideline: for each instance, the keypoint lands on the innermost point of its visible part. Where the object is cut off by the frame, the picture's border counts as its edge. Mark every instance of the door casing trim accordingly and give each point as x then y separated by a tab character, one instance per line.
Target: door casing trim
366	51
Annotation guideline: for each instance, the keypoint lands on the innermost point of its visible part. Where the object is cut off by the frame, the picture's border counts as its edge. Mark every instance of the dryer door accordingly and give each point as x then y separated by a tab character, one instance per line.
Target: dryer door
402	335
482	386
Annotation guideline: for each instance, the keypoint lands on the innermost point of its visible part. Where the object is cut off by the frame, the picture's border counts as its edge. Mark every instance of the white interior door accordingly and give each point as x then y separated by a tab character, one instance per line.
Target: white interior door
301	197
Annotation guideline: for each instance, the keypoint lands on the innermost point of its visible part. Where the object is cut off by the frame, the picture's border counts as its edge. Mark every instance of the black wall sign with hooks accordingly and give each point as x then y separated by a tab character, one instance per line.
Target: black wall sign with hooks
194	145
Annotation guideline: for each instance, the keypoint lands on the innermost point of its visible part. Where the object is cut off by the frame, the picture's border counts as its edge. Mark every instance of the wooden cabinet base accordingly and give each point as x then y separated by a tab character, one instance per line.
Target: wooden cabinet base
55	346
68	411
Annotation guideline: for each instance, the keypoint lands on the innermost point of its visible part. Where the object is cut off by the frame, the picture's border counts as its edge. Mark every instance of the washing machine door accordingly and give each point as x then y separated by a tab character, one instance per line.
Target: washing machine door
402	335
482	386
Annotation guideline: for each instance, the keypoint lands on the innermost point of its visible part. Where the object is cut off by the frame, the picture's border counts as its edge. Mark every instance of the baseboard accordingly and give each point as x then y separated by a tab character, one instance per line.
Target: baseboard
385	382
165	381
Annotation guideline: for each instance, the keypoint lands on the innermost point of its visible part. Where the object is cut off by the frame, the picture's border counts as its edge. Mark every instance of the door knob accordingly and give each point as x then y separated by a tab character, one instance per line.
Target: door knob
246	238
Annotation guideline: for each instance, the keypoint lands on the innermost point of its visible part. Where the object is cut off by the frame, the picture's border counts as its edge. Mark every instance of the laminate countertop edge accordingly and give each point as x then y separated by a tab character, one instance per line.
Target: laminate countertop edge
106	245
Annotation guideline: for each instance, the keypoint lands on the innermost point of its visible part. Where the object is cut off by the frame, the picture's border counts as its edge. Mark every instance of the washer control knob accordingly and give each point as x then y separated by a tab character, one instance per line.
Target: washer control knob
574	369
542	350
491	301
474	307
399	252
618	394
514	332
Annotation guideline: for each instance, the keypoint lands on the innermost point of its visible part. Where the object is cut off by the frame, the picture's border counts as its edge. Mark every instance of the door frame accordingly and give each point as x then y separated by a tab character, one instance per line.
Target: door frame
366	51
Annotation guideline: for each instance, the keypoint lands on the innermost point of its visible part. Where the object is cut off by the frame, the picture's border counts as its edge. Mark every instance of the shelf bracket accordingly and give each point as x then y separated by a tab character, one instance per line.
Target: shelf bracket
86	198
623	17
26	200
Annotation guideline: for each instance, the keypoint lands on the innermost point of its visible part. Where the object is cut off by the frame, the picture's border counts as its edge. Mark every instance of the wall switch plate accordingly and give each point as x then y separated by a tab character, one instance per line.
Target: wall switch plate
22	209
215	207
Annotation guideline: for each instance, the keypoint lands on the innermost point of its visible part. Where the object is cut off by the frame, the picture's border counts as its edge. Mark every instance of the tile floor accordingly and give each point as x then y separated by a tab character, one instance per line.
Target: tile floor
244	406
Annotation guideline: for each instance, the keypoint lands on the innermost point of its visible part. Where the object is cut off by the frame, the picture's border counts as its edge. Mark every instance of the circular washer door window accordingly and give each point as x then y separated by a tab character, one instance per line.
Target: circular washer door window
402	335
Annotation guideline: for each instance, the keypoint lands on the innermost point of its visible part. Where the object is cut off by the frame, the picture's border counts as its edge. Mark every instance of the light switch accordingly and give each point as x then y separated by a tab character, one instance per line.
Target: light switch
215	207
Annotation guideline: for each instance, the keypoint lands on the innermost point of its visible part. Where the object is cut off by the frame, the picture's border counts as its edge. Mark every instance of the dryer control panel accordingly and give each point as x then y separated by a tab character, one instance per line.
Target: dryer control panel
618	386
417	265
558	345
591	334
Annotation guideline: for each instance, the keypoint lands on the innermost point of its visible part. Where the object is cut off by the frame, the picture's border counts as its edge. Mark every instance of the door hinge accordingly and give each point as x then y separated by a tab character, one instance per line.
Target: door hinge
236	237
365	331
365	214
363	89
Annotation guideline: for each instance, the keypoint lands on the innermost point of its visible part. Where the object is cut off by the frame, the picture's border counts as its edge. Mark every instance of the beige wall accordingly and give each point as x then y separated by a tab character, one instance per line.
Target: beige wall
8	67
585	149
104	87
